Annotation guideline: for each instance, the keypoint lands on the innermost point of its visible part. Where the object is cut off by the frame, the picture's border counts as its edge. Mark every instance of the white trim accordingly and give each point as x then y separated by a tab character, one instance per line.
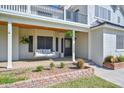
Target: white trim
9	64
119	50
102	19
108	26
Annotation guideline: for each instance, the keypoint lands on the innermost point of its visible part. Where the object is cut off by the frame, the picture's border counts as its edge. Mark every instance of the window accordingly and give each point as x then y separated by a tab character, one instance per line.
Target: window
119	42
102	13
62	45
30	43
56	43
118	19
44	42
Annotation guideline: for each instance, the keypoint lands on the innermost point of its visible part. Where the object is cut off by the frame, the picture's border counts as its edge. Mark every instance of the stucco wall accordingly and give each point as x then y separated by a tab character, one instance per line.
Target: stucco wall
23	48
97	46
3	43
109	36
20	51
82	45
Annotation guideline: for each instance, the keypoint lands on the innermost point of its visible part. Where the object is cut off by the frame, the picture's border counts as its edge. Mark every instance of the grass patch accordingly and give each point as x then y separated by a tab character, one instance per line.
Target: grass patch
90	82
13	76
5	79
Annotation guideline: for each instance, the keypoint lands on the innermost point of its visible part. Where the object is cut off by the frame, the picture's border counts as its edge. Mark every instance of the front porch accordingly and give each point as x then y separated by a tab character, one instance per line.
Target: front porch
12	49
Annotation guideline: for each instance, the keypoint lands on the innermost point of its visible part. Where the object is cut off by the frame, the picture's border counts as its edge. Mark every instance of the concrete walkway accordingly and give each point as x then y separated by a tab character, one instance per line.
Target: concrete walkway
114	76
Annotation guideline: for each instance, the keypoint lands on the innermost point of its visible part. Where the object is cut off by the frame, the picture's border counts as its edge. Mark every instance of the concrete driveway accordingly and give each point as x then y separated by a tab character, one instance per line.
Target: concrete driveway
114	76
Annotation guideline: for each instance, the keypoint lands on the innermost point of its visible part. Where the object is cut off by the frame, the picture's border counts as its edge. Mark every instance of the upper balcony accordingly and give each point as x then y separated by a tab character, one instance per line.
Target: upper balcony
47	11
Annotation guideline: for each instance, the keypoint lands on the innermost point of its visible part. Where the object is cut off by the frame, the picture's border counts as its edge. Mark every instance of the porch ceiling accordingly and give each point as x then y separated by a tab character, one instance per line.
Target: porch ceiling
34	27
43	22
38	27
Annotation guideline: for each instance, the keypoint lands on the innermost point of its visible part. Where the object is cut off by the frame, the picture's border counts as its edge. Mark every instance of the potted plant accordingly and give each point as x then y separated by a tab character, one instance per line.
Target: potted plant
24	40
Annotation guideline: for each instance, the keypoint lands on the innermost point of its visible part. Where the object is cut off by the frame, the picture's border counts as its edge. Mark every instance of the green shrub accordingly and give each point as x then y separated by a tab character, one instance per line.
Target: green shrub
121	58
39	68
108	58
111	59
80	63
52	65
62	65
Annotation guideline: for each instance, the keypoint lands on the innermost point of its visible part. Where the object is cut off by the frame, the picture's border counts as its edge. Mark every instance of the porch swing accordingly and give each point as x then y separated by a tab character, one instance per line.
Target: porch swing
44	53
44	48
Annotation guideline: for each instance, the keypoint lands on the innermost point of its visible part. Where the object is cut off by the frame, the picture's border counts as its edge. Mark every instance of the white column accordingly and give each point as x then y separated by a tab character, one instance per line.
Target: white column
64	13
9	65
73	46
89	45
35	39
59	39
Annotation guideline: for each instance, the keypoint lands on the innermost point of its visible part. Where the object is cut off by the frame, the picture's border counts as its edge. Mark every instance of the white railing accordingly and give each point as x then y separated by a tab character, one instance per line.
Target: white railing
18	8
47	11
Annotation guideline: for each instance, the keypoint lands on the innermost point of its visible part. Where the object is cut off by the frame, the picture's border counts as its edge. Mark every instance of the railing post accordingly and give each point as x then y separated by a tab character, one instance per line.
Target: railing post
64	13
29	9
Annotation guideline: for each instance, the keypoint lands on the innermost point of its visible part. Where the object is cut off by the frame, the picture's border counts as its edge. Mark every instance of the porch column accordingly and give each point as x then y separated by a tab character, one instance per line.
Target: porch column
73	46
9	64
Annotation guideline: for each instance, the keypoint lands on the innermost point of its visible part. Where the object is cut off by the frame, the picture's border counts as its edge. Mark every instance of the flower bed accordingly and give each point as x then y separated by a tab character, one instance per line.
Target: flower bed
114	65
113	62
51	77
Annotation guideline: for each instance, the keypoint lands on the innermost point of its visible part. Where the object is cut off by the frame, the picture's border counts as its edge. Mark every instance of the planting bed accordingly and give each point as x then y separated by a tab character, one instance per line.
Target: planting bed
114	66
50	77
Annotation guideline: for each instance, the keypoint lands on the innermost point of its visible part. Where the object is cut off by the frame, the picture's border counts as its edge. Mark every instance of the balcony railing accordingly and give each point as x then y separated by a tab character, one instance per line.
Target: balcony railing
76	17
47	11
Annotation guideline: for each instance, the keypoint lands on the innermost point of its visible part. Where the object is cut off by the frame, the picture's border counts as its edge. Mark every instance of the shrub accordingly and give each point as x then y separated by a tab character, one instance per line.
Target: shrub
80	63
39	68
121	58
108	58
52	65
62	65
114	59
111	59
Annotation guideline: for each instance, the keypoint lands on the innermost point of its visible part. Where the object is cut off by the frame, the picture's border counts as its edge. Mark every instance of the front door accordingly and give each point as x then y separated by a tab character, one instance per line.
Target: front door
68	47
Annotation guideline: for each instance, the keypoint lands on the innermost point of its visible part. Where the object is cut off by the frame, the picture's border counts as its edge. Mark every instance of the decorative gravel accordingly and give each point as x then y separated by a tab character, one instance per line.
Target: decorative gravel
47	72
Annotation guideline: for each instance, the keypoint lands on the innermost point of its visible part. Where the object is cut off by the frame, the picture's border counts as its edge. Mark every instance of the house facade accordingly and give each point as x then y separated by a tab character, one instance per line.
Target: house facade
97	31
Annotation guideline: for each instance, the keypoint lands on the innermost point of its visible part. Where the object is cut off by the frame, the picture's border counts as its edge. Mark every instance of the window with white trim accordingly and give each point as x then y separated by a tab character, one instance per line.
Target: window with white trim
119	41
102	12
